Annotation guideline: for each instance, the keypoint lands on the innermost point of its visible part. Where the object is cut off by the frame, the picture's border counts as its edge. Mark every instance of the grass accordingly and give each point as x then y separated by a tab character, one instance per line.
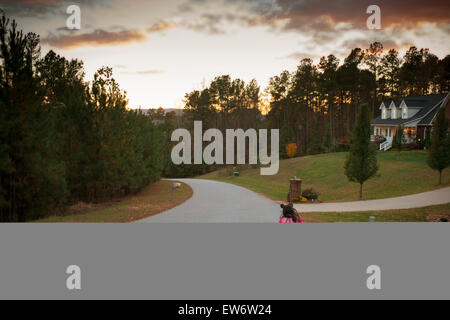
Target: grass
427	214
399	174
151	201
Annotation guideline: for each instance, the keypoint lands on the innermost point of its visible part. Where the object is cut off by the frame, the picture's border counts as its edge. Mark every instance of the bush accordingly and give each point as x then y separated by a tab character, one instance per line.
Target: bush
411	146
380	139
296	199
291	150
341	145
227	172
310	194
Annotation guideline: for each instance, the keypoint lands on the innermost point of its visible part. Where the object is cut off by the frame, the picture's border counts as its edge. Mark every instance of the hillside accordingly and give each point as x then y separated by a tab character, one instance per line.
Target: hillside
399	175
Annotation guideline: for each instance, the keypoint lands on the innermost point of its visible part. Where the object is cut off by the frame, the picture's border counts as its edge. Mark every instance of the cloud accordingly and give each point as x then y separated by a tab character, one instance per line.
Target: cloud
363	43
96	38
67	39
324	15
29	8
320	15
208	22
297	55
185	7
146	72
302	55
219	23
162	26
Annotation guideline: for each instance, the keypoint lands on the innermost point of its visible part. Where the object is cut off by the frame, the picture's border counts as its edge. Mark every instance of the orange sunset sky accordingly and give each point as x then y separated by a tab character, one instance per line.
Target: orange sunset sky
160	50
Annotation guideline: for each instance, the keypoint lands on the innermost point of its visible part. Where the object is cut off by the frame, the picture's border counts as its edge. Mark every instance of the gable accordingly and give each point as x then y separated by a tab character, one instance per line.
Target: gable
394	111
383	111
404	110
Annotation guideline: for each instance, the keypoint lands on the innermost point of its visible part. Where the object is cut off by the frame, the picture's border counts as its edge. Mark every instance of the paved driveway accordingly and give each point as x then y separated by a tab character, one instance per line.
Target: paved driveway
220	202
431	198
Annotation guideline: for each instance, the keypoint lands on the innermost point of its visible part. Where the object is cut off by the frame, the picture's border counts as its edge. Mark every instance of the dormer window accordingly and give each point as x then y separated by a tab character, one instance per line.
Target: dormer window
383	111
393	110
404	109
394	113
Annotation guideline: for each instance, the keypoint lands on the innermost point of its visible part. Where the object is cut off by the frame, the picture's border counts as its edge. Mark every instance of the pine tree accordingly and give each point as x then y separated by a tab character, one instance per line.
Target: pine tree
32	176
317	139
328	143
439	157
361	162
399	139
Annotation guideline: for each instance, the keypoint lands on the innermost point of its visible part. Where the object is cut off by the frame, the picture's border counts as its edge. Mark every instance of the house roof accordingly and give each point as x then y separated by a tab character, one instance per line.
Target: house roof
387	122
429	106
428	119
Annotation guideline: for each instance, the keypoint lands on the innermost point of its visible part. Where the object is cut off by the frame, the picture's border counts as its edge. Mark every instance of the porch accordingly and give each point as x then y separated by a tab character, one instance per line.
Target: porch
388	133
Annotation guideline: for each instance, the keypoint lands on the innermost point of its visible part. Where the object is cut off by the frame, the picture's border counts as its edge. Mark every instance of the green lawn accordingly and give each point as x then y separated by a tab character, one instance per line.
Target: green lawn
428	214
150	201
399	175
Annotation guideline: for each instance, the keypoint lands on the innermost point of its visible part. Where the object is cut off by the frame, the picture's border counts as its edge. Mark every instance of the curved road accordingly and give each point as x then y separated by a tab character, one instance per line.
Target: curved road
220	202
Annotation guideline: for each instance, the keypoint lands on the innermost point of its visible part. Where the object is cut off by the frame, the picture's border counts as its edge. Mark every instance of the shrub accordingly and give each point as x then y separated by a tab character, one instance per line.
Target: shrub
311	194
227	172
399	140
296	199
411	146
291	150
380	139
342	145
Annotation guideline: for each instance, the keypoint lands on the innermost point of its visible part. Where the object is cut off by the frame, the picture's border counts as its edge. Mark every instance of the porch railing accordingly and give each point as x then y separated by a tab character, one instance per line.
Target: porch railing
387	145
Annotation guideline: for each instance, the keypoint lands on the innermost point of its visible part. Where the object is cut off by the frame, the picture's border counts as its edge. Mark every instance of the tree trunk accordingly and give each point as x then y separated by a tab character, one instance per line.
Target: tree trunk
360	191
440	177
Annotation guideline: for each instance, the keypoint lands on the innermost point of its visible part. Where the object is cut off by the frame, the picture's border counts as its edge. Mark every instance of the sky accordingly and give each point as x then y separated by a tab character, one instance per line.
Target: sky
162	49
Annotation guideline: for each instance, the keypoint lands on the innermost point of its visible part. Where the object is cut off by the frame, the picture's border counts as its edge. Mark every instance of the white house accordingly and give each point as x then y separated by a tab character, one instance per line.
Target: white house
414	113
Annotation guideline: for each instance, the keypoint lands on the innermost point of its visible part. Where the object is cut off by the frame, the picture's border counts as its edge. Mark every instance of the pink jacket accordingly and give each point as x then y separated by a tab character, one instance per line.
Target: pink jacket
289	220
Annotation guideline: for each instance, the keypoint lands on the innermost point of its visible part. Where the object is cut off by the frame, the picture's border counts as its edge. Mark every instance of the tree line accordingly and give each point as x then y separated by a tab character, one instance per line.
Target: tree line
317	105
62	139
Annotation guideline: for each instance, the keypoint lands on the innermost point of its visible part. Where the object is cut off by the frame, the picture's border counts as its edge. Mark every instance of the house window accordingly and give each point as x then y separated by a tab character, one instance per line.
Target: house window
383	115
405	113
394	114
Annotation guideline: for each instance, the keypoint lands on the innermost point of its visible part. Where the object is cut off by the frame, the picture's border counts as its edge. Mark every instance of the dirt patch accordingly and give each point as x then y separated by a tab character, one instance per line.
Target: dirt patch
82	207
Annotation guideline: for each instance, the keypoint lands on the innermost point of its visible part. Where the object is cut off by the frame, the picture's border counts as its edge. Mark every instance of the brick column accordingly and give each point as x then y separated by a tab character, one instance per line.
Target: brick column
295	189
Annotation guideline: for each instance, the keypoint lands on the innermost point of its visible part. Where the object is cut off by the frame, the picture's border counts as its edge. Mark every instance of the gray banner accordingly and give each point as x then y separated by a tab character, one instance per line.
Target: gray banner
225	261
